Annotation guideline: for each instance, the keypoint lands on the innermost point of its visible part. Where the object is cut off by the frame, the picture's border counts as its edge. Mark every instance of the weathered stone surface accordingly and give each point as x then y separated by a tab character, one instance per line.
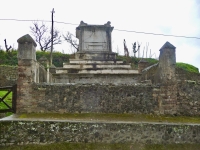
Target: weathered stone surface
36	132
26	39
142	64
188	99
90	98
8	75
94	37
26	47
96	78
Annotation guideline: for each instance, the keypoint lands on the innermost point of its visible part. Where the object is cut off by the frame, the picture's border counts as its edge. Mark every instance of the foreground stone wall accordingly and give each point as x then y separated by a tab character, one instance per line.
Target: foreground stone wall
36	132
181	99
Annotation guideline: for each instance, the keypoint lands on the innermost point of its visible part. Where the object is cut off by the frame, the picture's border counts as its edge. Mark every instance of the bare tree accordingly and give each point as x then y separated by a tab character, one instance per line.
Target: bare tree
136	50
69	38
126	52
147	48
43	36
7	48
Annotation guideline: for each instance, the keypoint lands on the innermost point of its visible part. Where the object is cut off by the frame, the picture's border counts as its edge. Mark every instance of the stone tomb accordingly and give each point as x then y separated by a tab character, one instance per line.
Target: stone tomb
95	62
94	42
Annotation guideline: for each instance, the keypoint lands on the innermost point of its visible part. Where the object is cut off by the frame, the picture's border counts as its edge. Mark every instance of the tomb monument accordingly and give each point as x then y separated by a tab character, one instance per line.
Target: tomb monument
94	61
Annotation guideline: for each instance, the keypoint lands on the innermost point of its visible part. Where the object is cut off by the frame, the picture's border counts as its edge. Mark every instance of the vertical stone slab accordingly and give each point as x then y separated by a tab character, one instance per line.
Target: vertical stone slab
166	78
26	72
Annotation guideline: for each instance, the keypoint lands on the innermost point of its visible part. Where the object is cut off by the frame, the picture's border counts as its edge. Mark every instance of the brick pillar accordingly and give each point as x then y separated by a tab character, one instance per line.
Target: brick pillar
26	72
166	78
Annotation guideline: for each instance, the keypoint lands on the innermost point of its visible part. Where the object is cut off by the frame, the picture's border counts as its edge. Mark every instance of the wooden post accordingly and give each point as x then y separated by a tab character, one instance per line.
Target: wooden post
51	36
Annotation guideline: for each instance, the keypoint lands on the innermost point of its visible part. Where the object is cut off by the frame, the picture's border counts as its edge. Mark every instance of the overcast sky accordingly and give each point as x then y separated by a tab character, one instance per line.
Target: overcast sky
171	17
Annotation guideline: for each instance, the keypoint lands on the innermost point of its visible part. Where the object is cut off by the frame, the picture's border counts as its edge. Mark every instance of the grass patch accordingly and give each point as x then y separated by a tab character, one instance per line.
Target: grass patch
8	101
187	67
104	146
151	60
113	117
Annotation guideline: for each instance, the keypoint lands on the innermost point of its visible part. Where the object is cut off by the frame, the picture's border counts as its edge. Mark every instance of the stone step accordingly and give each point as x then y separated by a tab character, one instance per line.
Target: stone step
94	66
104	71
79	61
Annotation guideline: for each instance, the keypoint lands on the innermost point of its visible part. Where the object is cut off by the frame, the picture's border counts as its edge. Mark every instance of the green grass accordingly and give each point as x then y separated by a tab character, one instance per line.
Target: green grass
8	101
151	60
187	67
104	146
113	117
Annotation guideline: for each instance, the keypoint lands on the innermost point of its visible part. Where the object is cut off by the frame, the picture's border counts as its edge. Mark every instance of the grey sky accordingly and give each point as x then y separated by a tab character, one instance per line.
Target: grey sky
177	17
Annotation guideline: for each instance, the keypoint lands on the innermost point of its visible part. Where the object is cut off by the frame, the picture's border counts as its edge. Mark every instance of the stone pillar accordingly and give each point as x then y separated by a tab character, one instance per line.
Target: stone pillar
52	69
142	64
167	64
45	63
26	72
166	78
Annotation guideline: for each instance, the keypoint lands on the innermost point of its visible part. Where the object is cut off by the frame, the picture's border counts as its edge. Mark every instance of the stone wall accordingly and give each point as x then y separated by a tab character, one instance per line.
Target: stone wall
183	75
36	132
188	99
8	75
149	73
79	98
166	96
181	99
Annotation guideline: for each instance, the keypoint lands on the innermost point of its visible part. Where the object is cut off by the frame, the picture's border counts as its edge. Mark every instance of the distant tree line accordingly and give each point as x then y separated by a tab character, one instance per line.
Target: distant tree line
10	58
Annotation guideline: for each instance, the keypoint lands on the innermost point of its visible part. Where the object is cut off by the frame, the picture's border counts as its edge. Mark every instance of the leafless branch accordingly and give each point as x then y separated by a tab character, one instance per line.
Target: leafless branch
43	37
7	48
70	40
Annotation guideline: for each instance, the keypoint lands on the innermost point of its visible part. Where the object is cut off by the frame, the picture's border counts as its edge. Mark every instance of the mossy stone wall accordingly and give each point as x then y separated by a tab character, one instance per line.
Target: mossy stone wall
42	132
78	98
8	75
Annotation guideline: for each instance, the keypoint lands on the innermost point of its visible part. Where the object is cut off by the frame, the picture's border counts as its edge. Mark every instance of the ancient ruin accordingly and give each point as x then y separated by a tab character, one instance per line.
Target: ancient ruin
96	82
95	62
